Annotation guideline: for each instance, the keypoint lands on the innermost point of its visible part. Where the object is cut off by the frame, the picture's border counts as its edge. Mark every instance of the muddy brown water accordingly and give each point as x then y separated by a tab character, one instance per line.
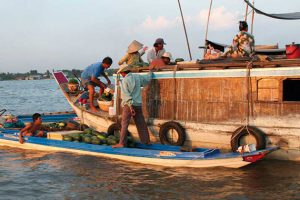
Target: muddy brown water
31	174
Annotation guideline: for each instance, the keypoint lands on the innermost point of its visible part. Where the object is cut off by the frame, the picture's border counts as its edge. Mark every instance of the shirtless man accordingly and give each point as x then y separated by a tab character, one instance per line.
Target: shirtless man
33	129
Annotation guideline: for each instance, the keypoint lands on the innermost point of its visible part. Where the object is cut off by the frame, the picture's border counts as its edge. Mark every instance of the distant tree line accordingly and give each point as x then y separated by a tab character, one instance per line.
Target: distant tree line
69	73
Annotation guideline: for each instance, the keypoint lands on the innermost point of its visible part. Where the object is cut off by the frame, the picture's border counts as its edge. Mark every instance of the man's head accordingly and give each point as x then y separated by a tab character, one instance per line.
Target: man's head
166	57
106	62
159	44
37	118
243	26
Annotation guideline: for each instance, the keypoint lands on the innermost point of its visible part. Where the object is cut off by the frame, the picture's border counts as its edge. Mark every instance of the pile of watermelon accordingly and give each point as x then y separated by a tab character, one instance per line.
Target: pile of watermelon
91	136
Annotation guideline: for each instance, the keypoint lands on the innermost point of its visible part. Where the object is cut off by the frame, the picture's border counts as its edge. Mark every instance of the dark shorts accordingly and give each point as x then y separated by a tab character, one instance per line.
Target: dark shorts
89	83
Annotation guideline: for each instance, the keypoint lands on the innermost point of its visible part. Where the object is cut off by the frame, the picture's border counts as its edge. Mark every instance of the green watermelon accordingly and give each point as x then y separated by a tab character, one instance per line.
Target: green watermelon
67	138
88	131
101	137
96	141
87	140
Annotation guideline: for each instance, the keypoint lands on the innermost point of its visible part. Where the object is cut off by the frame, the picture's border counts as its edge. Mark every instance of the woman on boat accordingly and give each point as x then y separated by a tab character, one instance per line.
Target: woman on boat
243	43
134	54
132	104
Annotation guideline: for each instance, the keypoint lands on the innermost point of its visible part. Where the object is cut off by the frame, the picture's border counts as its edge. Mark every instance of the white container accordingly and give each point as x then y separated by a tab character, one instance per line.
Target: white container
111	111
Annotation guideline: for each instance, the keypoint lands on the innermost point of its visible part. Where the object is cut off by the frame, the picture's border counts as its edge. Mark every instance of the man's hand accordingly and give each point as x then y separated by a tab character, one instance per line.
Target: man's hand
108	82
132	111
145	48
21	140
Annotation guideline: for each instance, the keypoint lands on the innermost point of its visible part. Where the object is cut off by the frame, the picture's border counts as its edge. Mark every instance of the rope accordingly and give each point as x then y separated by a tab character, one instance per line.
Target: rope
175	91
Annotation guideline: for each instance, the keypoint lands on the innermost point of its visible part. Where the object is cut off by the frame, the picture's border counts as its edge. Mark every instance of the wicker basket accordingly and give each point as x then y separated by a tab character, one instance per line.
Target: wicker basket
104	105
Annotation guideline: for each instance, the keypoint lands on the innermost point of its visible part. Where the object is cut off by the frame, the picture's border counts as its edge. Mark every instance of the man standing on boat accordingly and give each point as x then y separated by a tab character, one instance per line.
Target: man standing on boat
132	104
243	43
157	51
90	78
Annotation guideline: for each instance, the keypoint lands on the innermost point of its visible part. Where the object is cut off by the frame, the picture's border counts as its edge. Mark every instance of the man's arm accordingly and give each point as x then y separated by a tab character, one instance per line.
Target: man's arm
99	83
146	79
23	130
124	59
106	77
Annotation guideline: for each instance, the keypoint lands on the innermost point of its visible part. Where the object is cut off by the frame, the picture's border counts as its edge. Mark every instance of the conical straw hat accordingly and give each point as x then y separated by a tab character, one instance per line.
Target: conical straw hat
124	67
134	46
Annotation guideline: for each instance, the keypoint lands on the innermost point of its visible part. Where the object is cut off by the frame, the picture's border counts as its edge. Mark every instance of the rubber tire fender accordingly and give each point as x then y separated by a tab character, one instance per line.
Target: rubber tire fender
168	126
259	136
113	127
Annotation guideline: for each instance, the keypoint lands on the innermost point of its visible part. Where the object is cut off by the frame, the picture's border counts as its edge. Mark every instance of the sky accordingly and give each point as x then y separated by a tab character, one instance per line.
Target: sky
72	34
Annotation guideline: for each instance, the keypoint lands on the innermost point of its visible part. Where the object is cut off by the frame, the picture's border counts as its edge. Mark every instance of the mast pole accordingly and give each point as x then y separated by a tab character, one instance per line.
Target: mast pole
252	18
246	15
207	23
186	37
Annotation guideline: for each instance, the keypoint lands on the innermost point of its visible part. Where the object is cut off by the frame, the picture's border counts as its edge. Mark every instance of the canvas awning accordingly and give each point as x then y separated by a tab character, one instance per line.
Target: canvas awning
284	16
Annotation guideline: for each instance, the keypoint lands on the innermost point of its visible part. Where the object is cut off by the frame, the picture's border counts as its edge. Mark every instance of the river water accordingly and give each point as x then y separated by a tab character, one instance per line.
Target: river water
30	174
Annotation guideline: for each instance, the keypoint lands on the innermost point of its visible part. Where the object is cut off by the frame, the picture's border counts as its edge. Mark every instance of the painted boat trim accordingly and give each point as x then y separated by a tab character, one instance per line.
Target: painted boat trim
159	154
228	73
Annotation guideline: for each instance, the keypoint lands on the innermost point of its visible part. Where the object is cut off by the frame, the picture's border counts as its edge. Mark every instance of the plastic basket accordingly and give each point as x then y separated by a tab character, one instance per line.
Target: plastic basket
104	105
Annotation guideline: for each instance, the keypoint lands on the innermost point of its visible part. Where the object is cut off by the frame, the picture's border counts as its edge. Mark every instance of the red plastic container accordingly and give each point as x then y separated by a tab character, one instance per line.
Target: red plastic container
292	51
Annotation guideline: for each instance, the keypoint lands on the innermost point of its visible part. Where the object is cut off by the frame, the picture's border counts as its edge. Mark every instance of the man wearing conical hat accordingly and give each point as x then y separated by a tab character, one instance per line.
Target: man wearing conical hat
134	54
132	104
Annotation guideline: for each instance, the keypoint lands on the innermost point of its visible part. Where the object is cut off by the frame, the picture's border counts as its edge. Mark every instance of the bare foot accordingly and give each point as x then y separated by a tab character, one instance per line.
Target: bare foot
118	146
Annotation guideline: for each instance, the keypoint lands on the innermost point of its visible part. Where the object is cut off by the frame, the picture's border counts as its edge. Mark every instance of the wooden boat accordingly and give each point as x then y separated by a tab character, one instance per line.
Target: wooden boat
155	154
220	103
50	117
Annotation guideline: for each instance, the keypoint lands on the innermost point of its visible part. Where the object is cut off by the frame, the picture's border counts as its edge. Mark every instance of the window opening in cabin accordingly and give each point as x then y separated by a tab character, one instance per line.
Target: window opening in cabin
291	90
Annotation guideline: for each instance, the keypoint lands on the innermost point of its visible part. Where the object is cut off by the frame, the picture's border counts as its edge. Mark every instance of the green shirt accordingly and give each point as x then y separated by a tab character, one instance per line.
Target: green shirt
131	88
242	45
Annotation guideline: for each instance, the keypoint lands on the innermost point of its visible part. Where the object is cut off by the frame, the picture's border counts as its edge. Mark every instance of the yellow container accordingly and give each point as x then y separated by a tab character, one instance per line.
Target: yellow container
60	134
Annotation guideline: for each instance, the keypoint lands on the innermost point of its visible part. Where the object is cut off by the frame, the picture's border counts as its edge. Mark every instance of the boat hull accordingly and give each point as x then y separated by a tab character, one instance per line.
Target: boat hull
142	156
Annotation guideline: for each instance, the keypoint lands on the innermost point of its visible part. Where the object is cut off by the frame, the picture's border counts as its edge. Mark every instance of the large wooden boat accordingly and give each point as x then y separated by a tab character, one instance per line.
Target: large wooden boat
221	103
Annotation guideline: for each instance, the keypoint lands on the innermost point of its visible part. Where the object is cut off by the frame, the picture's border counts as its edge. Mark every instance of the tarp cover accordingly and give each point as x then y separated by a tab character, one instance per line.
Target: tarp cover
285	16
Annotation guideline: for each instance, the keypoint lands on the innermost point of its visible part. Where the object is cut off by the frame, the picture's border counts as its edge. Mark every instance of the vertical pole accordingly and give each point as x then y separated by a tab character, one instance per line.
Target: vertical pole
246	15
252	18
186	37
207	23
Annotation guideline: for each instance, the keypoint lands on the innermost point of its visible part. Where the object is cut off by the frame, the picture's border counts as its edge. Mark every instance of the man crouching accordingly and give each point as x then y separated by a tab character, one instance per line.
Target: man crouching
132	104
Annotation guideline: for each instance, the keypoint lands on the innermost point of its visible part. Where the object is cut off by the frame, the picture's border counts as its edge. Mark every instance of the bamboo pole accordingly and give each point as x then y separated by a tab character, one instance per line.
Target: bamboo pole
185	32
246	15
207	23
252	21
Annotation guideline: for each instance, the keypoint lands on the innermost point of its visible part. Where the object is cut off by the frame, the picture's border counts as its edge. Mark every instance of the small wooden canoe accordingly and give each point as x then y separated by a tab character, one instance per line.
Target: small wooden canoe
154	154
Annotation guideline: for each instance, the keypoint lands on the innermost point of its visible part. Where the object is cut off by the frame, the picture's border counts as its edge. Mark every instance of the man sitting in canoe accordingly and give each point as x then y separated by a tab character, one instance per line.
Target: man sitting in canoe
90	78
33	129
132	104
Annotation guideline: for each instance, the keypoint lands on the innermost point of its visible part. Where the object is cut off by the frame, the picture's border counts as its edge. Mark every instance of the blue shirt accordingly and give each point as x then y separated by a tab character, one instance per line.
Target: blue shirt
94	70
131	88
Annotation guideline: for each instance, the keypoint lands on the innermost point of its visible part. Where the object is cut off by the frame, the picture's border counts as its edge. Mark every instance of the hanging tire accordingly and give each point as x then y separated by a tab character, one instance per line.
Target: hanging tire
248	135
114	129
176	137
